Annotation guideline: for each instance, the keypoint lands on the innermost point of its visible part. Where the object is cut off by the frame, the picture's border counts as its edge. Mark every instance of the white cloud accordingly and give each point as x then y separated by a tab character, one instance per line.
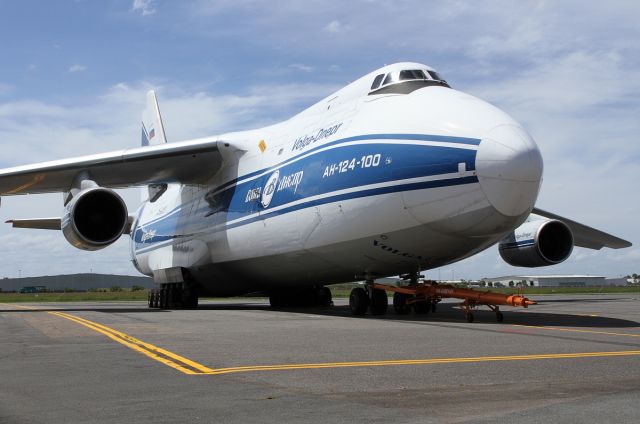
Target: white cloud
336	27
77	68
301	67
144	7
42	131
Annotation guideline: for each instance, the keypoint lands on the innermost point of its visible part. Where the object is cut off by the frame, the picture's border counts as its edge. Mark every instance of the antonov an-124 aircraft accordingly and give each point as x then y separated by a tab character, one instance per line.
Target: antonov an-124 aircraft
393	174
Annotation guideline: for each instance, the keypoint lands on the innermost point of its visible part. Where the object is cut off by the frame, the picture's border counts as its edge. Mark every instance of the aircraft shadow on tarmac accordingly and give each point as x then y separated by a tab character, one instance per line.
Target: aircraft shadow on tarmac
449	312
446	312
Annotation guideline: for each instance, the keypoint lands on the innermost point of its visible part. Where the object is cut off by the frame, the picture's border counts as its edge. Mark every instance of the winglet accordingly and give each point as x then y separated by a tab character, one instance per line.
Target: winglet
152	128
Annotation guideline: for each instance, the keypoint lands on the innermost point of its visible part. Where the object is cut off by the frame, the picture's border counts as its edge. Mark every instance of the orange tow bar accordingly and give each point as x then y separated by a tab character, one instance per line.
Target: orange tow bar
430	293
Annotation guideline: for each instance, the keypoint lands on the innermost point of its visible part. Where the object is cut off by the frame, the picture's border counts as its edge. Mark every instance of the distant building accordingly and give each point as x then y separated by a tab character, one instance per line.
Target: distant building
77	282
555	280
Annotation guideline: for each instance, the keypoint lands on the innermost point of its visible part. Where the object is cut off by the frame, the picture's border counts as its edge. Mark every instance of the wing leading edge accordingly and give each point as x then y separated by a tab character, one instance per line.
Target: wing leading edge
585	236
189	162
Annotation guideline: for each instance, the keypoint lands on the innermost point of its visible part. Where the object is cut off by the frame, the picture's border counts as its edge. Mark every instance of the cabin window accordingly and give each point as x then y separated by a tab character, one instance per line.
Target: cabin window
377	81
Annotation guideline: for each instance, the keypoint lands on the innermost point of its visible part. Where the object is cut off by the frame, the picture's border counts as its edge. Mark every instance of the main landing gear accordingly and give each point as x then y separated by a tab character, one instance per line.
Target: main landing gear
173	296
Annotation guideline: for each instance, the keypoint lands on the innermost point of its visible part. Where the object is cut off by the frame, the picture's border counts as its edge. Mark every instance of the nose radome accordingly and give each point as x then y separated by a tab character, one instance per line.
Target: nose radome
509	169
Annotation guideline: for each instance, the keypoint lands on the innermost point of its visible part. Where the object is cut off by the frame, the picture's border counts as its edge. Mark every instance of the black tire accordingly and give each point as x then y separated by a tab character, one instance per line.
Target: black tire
155	298
400	305
325	297
379	302
469	317
358	301
190	301
164	298
422	308
499	317
275	300
150	298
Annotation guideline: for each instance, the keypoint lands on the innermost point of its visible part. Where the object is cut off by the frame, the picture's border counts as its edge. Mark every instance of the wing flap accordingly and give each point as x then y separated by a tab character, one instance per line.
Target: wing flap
585	236
189	162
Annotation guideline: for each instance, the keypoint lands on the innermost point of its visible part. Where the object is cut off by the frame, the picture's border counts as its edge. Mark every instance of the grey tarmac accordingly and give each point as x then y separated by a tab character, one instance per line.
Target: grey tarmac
549	363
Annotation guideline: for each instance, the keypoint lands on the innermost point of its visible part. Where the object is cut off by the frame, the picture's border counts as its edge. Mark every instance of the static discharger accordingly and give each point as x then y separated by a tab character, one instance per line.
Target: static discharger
428	294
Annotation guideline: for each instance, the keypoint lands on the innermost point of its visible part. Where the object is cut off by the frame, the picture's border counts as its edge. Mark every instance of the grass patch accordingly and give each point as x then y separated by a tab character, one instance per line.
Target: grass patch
73	297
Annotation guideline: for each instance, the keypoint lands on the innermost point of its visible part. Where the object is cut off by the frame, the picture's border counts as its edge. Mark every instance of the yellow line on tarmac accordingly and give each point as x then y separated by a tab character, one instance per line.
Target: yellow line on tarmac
190	367
572	330
219	371
163	356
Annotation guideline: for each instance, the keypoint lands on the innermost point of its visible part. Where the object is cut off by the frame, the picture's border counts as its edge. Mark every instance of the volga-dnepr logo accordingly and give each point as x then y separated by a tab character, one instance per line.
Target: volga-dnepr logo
269	189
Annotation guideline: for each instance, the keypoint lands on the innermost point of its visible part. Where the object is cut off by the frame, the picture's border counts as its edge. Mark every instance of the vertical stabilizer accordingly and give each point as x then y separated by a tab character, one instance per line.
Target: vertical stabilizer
152	134
152	129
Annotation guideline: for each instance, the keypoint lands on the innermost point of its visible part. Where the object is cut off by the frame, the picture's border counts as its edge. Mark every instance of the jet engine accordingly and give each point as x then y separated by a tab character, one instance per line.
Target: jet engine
94	218
537	243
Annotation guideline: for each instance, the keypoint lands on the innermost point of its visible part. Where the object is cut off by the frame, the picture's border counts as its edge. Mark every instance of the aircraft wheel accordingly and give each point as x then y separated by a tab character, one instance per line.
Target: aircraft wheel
190	301
358	301
155	298
324	297
469	317
275	300
421	308
400	303
164	298
150	298
499	317
379	302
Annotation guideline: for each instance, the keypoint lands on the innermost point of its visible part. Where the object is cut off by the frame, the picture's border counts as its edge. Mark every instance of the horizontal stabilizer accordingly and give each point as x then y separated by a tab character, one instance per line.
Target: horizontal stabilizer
585	236
36	223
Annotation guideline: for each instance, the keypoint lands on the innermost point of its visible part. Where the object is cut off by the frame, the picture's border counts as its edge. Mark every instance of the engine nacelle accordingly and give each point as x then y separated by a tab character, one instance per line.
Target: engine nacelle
537	243
94	218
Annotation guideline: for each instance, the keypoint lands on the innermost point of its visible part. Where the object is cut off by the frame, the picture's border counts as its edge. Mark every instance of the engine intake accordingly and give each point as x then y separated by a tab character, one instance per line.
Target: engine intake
537	243
94	218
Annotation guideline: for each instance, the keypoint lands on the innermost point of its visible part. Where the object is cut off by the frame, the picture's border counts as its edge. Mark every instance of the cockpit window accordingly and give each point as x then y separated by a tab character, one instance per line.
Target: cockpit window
391	78
377	81
406	81
411	75
435	76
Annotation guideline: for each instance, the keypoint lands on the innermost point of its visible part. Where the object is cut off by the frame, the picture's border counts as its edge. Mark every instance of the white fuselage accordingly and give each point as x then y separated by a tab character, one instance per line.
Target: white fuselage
357	186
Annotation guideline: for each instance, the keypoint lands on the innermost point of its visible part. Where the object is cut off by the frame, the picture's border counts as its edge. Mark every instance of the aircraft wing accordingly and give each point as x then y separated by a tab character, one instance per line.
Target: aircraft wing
189	162
585	236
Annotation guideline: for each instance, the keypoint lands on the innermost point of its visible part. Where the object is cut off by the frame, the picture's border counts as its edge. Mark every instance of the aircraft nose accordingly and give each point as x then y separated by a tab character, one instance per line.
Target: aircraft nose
509	168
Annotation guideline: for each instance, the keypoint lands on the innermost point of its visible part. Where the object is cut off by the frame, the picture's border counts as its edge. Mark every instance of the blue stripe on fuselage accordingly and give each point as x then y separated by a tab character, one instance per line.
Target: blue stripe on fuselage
395	162
414	137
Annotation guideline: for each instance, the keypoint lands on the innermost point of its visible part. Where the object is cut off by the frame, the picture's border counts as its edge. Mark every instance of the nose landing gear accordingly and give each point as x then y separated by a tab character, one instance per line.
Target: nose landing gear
423	297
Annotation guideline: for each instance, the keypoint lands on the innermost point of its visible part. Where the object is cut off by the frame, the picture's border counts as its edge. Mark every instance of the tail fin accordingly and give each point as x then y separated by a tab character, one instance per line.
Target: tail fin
152	134
152	129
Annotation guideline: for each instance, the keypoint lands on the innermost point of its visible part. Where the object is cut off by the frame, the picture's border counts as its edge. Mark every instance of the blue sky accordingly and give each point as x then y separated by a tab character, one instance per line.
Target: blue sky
74	74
